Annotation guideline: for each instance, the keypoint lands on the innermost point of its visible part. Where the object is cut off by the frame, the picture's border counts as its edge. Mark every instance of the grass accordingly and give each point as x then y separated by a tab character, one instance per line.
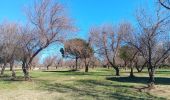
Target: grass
98	84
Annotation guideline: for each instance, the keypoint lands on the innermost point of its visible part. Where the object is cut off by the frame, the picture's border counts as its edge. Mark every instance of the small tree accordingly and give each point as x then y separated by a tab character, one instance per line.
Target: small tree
78	49
128	54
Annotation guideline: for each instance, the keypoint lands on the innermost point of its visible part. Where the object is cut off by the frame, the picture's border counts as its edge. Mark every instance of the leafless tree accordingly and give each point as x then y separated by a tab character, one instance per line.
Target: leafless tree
49	61
152	39
107	40
49	24
9	45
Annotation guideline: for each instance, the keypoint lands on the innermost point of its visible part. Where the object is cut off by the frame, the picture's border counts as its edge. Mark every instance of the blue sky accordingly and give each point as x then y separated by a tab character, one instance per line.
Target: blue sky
85	13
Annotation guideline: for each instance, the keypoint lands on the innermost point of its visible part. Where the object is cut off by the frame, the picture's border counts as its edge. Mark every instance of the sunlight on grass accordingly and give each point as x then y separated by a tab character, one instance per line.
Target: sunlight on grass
98	84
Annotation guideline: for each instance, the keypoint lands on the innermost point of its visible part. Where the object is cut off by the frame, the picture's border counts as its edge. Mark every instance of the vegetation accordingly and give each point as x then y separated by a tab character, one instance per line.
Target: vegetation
98	84
123	46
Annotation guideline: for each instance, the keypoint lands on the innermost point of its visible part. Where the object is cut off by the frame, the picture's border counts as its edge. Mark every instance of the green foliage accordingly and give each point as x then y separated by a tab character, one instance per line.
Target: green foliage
77	48
125	53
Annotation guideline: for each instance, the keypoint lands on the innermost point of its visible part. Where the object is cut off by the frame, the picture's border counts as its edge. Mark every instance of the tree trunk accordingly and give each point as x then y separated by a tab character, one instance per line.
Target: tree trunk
25	71
151	80
131	70
151	75
117	71
13	71
3	69
86	68
47	67
76	63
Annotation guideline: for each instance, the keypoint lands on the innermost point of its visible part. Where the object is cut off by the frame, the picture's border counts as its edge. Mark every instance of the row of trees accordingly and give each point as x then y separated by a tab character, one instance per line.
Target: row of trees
48	24
150	40
148	43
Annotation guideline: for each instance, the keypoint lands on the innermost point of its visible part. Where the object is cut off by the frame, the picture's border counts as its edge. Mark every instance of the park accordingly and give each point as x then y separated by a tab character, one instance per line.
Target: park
65	50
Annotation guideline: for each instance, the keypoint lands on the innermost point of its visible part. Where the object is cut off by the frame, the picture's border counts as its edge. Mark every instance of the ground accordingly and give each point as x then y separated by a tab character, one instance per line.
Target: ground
98	84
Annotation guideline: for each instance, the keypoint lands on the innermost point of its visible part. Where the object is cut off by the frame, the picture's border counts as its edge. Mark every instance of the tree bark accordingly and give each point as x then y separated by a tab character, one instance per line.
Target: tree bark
47	67
86	68
151	80
76	63
13	71
25	70
131	72
3	69
117	71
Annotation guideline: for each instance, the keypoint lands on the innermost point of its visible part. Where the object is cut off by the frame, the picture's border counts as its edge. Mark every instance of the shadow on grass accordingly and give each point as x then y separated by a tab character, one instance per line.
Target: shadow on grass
98	90
9	79
144	80
77	73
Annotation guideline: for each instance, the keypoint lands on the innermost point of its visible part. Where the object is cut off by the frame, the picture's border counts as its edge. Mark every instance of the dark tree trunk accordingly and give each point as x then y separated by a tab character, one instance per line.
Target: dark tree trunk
131	72
117	71
86	68
3	69
76	63
151	71
151	75
48	67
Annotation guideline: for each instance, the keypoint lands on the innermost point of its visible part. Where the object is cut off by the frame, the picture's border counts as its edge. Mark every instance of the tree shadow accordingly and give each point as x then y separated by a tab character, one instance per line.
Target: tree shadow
143	80
77	73
99	90
9	79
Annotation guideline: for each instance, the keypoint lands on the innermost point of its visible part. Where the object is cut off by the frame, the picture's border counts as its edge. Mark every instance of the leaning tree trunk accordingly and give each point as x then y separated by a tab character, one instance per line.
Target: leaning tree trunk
3	69
116	69
25	70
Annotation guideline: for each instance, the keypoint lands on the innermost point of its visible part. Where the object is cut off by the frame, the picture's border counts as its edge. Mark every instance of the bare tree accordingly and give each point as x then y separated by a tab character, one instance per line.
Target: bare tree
128	54
107	40
153	38
49	23
9	45
49	61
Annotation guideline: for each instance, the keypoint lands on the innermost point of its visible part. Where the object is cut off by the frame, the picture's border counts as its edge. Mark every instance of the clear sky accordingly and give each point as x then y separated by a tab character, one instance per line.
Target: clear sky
85	13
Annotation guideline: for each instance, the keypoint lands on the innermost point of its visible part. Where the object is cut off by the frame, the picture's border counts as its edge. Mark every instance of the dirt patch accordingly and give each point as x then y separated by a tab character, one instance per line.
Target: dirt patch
31	95
158	90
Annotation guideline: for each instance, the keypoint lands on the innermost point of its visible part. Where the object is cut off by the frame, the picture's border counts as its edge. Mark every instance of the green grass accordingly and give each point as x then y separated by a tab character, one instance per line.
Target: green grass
98	84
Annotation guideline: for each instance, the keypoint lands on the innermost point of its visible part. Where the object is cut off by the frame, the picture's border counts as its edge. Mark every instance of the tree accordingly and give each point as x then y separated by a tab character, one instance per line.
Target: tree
107	40
49	24
49	61
9	33
78	49
152	39
128	54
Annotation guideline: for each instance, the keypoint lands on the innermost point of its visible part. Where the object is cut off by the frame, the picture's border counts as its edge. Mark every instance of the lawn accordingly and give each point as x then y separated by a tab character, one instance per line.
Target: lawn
98	84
